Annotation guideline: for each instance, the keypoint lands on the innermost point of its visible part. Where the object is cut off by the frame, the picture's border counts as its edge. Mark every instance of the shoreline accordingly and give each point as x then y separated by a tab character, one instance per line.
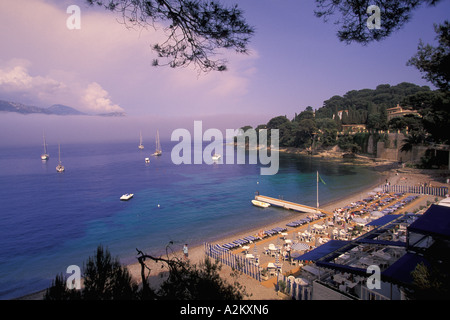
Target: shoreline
255	288
394	175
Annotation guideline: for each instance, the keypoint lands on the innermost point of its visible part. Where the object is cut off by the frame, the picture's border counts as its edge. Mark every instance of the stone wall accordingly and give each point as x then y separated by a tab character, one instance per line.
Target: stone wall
390	150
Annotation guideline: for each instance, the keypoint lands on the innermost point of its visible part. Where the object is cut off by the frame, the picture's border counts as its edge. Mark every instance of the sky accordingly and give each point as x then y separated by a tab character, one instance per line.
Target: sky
295	60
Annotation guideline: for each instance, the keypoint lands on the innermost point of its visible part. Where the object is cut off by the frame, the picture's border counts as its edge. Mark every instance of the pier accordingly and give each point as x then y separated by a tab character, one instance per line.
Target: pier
290	205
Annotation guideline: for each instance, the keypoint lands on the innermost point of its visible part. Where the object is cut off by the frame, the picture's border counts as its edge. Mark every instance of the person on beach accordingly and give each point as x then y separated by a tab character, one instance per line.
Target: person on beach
185	251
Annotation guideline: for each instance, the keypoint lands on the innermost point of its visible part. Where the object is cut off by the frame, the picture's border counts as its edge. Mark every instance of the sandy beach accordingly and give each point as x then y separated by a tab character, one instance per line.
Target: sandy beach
265	290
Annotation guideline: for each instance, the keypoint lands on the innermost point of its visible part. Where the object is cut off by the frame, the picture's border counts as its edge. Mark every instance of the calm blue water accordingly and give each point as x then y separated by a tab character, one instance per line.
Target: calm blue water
49	221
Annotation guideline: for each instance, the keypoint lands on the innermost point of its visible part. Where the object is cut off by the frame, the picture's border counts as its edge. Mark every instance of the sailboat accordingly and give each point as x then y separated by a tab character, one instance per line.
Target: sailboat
141	146
45	155
59	167
158	151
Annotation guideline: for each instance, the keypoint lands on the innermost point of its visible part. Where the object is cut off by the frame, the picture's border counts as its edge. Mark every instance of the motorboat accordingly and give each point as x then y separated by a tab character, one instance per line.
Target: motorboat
147	160
216	157
126	196
260	204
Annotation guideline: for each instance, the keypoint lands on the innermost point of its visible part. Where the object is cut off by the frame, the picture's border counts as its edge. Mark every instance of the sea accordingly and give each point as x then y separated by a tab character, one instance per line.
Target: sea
50	221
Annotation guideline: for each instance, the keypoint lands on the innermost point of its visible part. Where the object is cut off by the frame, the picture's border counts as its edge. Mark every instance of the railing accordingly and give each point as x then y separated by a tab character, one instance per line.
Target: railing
240	263
433	191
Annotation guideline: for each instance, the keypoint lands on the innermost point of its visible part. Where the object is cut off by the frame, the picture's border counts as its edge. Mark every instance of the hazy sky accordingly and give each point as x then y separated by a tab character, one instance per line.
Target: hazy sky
295	61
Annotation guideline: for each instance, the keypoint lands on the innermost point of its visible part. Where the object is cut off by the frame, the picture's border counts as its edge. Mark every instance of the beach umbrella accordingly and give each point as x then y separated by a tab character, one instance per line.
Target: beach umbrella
255	250
360	221
300	246
376	214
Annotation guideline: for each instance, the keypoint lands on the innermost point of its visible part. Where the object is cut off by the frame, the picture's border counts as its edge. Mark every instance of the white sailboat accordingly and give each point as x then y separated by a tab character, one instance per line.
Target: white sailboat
59	167
158	151
45	155
141	146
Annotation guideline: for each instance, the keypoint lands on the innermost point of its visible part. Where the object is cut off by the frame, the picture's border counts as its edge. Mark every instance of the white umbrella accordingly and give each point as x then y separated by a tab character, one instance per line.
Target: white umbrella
301	281
376	214
300	246
360	220
445	202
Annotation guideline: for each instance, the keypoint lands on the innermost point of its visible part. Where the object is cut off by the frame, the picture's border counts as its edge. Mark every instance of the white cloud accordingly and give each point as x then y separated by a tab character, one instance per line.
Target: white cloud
96	99
104	65
18	79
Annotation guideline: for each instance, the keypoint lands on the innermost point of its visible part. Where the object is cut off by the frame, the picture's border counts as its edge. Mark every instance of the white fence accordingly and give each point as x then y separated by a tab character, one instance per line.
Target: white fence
240	263
434	191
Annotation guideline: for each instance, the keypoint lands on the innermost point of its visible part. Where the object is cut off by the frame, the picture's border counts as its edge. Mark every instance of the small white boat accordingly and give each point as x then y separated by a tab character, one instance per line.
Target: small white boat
260	204
147	160
126	196
216	157
60	168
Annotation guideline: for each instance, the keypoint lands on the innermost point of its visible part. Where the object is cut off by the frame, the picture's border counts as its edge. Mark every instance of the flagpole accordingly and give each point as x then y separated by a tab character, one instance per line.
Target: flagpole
317	190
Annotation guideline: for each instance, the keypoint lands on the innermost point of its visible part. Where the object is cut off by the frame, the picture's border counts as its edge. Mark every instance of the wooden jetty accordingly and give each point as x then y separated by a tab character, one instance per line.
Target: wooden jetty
290	205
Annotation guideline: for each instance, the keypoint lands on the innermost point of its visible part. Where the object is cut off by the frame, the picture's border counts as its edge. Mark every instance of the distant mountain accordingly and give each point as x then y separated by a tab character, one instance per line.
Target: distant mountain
112	114
56	109
63	110
21	108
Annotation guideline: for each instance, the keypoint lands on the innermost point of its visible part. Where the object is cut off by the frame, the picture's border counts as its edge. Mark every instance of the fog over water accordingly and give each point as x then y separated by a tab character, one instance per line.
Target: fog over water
18	129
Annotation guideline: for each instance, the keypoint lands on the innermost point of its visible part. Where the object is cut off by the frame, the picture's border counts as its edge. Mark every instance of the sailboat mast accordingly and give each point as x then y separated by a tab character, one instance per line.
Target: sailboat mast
158	144
45	144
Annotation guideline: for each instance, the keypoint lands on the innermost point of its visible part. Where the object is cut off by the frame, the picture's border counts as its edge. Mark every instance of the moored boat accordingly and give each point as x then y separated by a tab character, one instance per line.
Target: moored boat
141	146
59	167
45	155
158	150
126	196
260	204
